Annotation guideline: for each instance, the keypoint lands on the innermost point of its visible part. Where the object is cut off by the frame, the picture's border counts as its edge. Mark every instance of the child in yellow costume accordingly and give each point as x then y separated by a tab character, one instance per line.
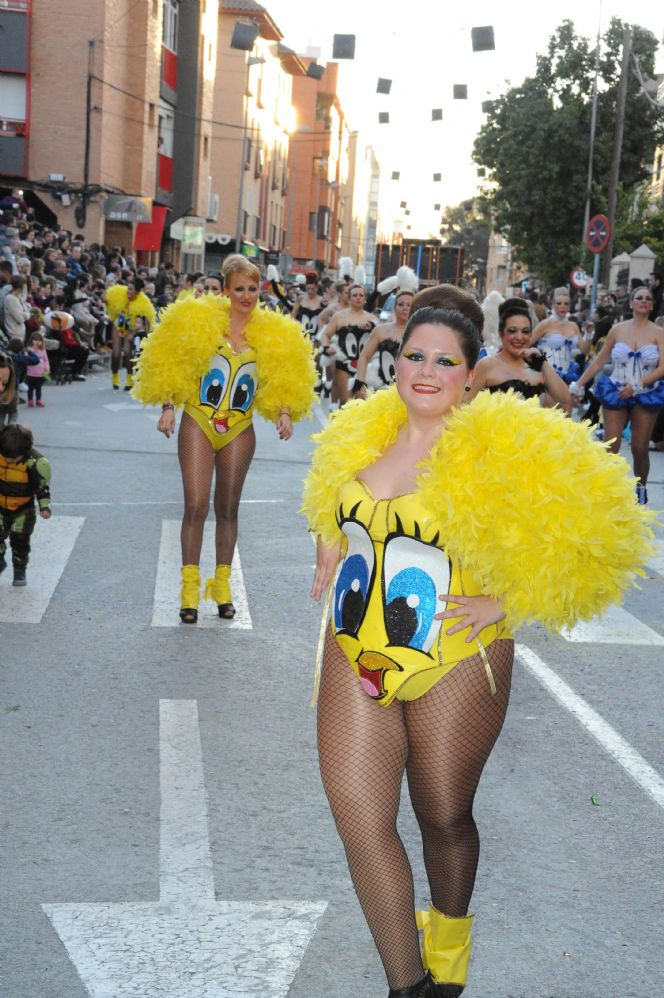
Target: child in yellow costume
131	312
426	501
220	358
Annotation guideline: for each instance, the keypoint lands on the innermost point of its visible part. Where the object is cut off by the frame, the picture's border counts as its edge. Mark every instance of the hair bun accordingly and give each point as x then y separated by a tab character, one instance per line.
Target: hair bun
513	305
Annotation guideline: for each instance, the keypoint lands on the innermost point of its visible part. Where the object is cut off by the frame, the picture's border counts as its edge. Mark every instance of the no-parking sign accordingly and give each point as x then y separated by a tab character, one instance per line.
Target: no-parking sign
598	233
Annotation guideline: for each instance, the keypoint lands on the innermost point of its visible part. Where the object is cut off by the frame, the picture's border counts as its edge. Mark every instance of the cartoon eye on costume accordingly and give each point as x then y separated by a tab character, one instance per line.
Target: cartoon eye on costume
388	368
243	388
363	341
214	383
353	587
350	345
414	573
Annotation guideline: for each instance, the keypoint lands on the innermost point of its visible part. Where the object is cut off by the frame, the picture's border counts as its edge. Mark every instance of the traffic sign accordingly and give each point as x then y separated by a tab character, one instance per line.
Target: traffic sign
598	233
578	278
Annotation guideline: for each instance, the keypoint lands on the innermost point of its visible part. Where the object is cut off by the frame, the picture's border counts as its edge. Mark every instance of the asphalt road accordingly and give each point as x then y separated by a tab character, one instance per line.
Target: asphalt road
569	897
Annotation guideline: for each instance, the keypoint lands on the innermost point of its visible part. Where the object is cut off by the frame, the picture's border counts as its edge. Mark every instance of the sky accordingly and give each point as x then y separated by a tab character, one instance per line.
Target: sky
425	49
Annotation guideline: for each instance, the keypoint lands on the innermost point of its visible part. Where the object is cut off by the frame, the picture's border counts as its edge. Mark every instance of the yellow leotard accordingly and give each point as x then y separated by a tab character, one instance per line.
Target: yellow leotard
226	394
386	596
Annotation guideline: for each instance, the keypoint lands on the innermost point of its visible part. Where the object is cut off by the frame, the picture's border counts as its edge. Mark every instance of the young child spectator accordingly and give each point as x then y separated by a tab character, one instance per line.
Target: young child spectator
25	475
38	372
22	358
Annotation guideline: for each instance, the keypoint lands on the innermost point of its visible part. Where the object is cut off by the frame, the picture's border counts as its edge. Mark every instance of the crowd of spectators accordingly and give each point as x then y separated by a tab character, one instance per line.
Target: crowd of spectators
48	269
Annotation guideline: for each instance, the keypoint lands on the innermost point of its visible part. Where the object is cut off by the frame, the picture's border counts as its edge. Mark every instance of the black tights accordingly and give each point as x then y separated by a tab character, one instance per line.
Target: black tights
442	741
198	462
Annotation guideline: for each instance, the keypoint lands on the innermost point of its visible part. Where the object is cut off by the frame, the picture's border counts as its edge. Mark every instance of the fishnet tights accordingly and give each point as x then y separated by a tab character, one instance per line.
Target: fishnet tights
442	741
198	461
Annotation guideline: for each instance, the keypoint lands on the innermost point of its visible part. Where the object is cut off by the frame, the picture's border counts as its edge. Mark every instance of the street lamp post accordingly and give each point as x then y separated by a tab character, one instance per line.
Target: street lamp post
244	37
239	228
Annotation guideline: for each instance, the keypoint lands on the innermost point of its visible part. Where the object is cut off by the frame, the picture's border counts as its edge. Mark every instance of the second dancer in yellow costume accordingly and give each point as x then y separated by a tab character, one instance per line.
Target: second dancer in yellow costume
221	358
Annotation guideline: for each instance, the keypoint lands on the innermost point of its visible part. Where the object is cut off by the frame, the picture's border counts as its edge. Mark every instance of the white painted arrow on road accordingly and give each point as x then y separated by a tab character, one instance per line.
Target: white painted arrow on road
187	944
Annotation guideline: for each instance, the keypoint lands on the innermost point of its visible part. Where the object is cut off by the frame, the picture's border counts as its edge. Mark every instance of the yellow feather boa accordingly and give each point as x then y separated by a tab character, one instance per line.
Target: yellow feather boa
179	351
523	497
117	301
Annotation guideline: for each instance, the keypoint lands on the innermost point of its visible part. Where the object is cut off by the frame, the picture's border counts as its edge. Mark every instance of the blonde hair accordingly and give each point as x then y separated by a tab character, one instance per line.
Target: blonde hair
238	264
560	293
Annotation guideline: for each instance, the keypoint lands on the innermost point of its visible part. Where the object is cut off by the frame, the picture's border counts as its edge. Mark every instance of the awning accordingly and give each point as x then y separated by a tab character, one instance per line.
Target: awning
148	234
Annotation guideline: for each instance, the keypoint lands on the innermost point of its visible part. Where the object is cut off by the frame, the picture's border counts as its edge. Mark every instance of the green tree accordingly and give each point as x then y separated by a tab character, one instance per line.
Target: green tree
534	145
466	225
637	222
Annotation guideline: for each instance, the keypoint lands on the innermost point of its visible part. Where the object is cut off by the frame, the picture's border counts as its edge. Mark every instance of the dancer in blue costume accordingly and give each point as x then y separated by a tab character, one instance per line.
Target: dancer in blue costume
634	391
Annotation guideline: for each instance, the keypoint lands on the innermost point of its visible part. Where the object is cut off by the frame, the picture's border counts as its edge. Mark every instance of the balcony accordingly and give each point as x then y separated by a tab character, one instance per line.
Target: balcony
169	68
13	126
14	31
165	173
13	148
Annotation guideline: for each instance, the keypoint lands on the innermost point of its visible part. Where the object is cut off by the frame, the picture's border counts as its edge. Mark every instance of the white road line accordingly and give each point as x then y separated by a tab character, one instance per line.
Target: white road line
122	406
634	764
616	627
657	560
320	414
167	582
187	944
185	861
52	543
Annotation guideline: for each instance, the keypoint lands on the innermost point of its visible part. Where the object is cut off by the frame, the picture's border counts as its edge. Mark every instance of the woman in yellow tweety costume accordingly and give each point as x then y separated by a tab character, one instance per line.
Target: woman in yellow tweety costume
472	505
221	357
131	312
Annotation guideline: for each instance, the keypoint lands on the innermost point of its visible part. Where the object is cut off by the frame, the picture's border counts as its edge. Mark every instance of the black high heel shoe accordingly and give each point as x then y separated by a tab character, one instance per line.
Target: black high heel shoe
423	989
219	590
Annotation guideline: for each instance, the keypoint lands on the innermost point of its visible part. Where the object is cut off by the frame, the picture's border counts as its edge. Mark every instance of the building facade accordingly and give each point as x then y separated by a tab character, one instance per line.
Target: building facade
109	105
319	170
254	117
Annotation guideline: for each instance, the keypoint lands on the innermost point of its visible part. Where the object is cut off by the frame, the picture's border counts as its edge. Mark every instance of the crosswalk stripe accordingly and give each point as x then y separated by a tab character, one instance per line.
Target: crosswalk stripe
320	414
616	627
167	582
657	560
52	543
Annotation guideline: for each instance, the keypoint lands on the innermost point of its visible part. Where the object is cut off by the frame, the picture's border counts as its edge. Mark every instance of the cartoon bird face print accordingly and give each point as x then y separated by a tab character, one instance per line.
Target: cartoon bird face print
352	340
386	594
228	390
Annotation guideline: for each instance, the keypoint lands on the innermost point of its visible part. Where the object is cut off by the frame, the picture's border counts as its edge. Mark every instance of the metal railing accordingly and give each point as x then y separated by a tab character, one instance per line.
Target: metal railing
12	126
21	5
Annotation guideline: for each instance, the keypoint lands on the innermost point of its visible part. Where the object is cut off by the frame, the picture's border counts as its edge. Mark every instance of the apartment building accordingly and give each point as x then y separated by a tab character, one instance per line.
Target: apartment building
254	117
319	169
104	113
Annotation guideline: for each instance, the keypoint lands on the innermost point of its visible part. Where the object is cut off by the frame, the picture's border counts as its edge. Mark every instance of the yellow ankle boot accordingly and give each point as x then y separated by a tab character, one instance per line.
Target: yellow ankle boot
219	590
446	944
129	383
115	381
190	594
